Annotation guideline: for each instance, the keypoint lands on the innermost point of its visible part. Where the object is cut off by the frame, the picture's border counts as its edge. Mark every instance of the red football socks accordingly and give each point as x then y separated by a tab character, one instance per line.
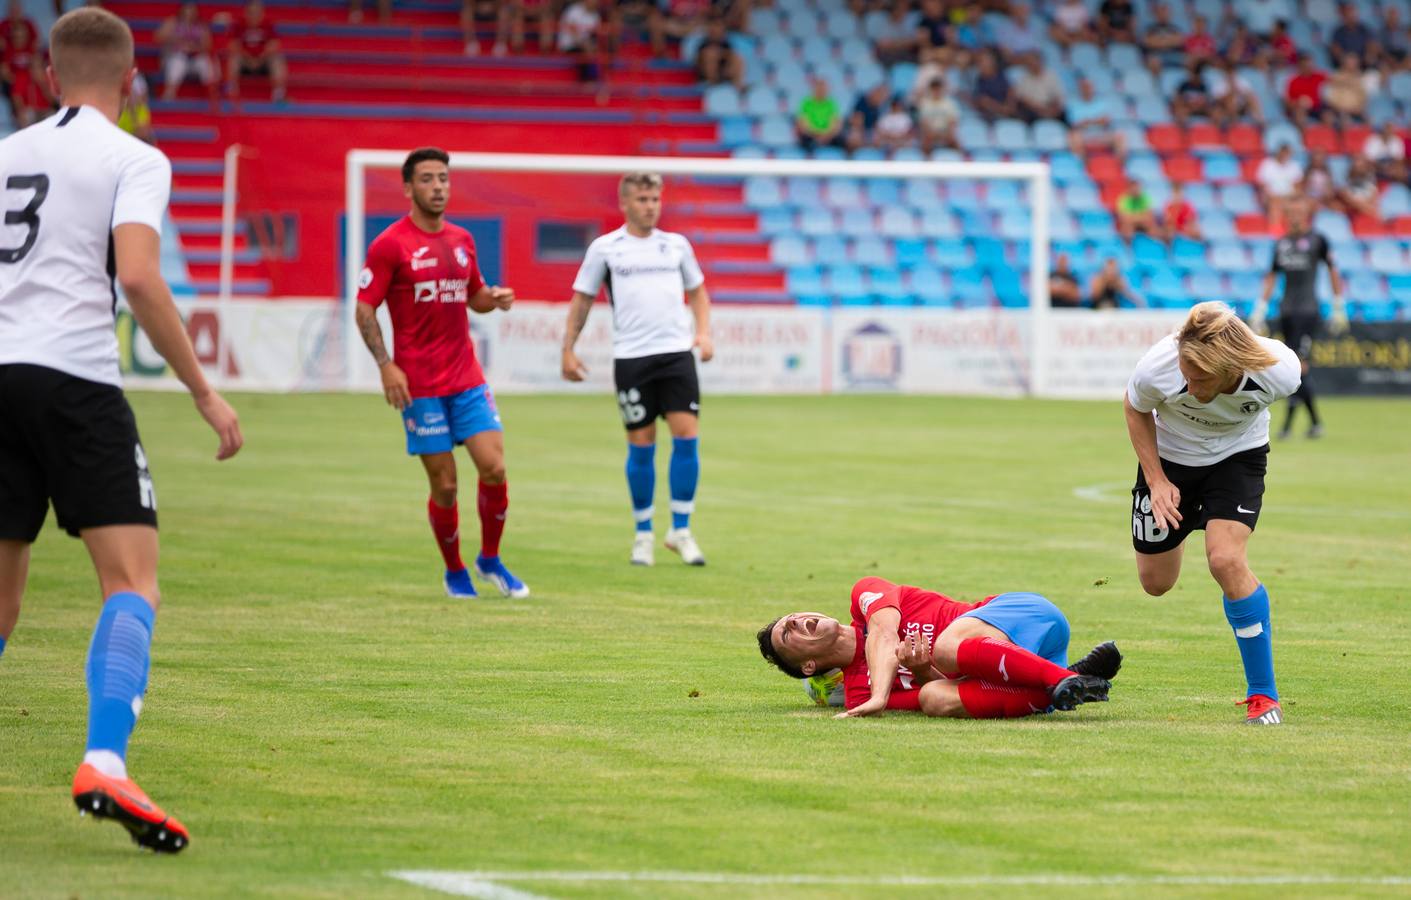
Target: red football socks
494	500
1005	664
983	700
445	524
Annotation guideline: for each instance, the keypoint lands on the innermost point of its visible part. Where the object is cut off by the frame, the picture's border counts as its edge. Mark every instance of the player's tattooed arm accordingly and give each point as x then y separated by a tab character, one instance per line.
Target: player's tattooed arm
371	331
578	309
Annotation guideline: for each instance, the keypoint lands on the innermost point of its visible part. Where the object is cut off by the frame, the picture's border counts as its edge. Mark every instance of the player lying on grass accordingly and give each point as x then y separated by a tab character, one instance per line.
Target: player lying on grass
910	648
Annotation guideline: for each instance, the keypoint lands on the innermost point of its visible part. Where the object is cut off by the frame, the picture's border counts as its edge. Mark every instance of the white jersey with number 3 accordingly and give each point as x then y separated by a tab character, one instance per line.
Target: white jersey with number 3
68	182
1192	433
646	280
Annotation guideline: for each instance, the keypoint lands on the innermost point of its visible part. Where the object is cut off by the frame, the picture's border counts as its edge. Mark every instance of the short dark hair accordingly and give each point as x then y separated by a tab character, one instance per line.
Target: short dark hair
766	649
90	46
421	155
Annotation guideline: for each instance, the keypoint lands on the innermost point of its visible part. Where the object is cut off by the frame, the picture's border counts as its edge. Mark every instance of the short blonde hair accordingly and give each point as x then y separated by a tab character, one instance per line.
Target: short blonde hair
642	181
1213	340
90	47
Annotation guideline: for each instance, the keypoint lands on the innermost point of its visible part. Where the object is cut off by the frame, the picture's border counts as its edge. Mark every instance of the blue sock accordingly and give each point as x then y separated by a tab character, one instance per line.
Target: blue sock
1249	617
642	482
685	472
117	671
2	646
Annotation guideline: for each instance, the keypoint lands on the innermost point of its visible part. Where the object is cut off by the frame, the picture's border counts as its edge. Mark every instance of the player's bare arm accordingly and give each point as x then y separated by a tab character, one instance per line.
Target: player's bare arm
578	309
394	380
492	297
1165	496
1337	322
700	309
137	254
881	650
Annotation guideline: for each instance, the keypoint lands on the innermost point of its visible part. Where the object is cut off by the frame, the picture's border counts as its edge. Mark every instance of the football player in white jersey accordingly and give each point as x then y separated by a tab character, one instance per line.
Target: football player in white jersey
645	272
1197	411
84	205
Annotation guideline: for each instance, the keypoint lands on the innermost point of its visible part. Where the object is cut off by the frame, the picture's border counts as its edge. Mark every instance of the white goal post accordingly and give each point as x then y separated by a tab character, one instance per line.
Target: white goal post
1035	174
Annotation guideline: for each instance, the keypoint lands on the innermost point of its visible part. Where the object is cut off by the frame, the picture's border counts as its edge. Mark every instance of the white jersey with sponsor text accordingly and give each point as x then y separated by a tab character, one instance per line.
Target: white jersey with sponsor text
646	280
68	182
1200	434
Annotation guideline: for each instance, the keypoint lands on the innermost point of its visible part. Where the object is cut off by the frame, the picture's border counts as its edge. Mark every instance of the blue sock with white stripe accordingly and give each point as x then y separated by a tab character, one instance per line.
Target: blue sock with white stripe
117	671
1249	617
642	482
685	472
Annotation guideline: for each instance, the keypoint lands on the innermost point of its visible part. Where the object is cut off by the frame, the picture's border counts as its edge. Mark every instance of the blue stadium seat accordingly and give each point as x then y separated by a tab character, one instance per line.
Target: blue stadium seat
845	280
930	286
1062	226
903	75
939	223
989	253
1165	289
1067	169
830	250
777	131
722	100
1333	225
1245	285
1144	166
1011	134
803	280
817	51
1152	110
776	47
789	151
946	154
923	194
1222	167
1239	199
1388	258
888	287
1228	256
952	254
1201	196
1280	133
777	221
1049	136
1187	253
898	222
973	135
975	223
1396	201
763	192
1204	284
871	251
1148	252
1367	287
803	191
1384	311
1004	195
910	252
1350	254
1137	83
1217	224
963	195
1015	224
1082	198
907	154
761	100
869	154
817	221
789	251
882	191
1087	58
843	192
736	131
858	222
1095	224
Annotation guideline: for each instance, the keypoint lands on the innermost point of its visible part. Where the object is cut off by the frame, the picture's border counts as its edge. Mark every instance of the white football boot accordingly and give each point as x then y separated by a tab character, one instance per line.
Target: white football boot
679	540
643	549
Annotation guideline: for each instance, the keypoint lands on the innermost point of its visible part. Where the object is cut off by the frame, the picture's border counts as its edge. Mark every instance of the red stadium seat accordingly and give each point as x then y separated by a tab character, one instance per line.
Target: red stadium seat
1369	226
1245	140
1252	225
1249	167
1204	134
1321	137
1353	139
1166	139
1105	168
1401	225
1110	191
1182	168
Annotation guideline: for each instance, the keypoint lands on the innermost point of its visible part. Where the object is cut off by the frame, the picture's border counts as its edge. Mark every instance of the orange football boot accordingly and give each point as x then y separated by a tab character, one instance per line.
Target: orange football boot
1261	710
123	801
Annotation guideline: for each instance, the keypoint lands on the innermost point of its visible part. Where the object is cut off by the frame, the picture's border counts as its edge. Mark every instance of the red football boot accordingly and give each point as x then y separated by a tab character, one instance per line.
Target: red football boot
1261	710
123	801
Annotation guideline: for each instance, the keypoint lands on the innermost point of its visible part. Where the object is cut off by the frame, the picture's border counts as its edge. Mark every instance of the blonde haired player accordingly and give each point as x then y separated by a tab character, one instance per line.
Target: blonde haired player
1197	411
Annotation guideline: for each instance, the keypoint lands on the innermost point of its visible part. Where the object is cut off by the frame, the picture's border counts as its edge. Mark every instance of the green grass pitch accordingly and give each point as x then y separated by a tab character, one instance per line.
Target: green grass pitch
321	714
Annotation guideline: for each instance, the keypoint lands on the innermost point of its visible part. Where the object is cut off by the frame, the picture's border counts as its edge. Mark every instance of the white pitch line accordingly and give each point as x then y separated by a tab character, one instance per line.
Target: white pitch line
474	884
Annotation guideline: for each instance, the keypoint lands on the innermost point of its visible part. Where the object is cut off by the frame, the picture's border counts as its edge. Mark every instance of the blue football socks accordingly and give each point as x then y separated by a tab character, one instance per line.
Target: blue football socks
2	646
642	482
1249	617
117	671
685	472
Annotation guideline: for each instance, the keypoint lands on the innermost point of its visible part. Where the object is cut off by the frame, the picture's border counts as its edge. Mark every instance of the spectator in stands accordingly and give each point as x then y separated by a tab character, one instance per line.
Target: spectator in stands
355	10
186	50
967	29
896	128
1038	93
1109	287
1241	48
1192	98
20	66
483	14
1317	184
1072	24
993	98
819	123
1394	38
1116	21
1136	212
1277	180
933	28
1261	15
676	19
1179	217
254	50
1090	123
1162	39
1064	291
516	13
935	63
1345	94
1303	97
1282	50
1200	43
1360	195
135	117
1017	34
937	114
867	111
1352	37
1386	151
716	61
580	29
1233	97
894	35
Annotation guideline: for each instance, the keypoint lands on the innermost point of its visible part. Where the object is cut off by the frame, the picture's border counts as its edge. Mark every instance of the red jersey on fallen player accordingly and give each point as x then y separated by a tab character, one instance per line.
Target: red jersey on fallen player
926	612
427	279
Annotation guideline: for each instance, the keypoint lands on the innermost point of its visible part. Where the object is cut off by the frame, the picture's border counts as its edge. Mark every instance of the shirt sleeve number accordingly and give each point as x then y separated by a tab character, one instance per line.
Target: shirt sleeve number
28	216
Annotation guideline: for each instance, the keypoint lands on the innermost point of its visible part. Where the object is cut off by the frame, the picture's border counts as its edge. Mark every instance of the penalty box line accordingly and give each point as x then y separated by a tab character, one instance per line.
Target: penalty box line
488	885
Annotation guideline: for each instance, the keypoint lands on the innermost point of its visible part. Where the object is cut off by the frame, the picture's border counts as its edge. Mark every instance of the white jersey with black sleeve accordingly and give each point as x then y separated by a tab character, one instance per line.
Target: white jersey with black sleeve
646	279
68	182
1192	433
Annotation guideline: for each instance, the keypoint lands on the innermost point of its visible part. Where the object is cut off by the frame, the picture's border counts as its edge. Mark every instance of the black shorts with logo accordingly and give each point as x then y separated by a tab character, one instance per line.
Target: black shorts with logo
74	442
1232	488
1299	330
651	386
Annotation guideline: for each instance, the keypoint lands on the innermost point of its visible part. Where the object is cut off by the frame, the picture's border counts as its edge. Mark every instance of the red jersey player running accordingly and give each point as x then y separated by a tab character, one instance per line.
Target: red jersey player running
1003	657
426	270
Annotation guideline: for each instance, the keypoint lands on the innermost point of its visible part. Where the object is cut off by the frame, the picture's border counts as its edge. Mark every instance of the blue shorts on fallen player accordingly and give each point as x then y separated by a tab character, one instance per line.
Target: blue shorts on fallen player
1030	621
438	424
